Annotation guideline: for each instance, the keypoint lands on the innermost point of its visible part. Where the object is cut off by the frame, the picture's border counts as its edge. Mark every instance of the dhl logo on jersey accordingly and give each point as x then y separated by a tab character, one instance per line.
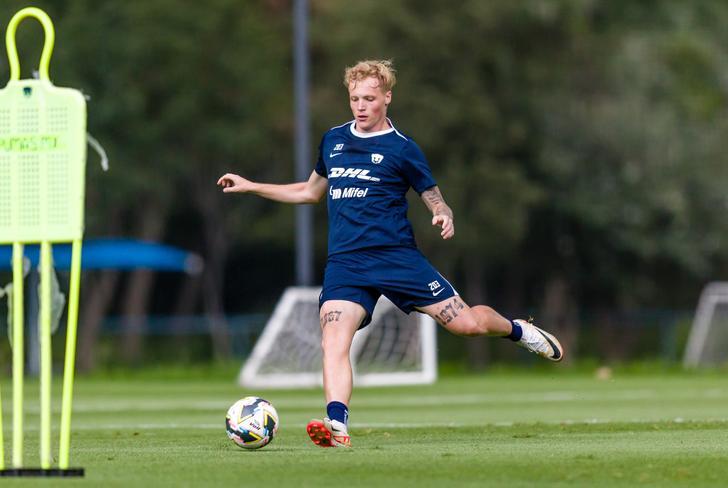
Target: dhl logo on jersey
361	174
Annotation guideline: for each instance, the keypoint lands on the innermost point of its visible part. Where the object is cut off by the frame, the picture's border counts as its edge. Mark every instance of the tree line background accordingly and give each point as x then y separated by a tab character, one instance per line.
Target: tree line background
580	144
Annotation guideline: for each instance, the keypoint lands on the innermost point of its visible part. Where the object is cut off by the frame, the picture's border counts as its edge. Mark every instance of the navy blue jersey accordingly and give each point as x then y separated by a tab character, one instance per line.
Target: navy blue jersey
369	175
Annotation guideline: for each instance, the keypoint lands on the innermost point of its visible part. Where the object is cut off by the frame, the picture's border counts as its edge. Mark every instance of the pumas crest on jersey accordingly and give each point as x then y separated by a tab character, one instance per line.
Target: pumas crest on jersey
377	158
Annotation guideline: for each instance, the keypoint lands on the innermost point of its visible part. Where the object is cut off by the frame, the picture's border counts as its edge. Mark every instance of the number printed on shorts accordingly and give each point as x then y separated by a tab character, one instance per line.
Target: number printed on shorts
434	285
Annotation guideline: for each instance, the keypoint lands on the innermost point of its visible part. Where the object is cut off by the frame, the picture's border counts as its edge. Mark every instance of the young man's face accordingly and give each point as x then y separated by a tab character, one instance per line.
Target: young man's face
369	105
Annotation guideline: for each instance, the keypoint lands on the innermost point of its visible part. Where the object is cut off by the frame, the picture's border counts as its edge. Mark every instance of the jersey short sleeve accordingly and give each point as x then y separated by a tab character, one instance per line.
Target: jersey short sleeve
415	168
320	166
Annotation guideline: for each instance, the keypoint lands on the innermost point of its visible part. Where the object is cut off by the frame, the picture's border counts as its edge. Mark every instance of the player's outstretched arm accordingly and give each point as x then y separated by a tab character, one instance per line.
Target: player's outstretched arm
441	213
310	191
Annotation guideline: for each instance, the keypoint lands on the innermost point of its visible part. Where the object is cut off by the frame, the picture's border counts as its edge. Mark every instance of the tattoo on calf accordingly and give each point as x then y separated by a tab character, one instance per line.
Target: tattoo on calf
450	311
328	317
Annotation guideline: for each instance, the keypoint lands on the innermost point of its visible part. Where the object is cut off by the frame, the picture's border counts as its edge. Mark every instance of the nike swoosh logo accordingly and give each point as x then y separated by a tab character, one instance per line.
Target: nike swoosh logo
557	352
333	155
434	294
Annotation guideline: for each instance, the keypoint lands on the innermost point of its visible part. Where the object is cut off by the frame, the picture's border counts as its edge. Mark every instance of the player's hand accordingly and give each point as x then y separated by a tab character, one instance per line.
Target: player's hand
447	224
231	183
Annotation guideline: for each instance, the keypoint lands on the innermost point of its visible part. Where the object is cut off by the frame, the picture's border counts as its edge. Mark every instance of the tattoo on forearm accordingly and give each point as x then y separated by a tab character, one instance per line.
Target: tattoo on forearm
328	317
450	311
435	202
432	197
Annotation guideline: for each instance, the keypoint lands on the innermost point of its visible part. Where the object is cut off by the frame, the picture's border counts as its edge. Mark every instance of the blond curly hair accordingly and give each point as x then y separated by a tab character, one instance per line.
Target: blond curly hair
381	69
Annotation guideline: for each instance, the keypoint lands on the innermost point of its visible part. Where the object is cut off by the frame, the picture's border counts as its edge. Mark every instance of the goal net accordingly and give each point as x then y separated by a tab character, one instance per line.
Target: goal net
708	341
394	349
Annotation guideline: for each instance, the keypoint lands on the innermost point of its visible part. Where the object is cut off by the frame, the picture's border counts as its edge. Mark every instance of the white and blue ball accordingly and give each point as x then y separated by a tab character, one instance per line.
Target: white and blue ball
251	422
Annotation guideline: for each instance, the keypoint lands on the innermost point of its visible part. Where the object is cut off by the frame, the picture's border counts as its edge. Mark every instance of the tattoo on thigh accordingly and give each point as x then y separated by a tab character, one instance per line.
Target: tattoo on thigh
450	311
328	317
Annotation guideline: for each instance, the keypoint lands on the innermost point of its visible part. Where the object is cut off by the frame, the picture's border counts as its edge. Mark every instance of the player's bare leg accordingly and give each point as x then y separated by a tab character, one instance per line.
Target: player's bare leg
340	319
460	319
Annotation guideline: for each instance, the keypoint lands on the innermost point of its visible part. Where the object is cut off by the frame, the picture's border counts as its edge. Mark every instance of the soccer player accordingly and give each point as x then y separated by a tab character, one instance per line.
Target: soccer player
366	166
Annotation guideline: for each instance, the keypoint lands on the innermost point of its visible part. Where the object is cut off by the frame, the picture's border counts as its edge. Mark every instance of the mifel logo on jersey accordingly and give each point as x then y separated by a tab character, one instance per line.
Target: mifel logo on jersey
337	193
377	158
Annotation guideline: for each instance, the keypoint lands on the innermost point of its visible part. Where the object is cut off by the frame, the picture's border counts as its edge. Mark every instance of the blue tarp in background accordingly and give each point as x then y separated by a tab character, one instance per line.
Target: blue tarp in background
120	254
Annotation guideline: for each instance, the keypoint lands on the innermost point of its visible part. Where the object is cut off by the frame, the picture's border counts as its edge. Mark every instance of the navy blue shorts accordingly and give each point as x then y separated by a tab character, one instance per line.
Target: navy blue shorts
401	274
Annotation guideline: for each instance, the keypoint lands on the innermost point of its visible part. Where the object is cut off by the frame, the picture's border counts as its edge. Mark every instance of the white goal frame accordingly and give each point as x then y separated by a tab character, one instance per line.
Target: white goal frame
713	294
251	377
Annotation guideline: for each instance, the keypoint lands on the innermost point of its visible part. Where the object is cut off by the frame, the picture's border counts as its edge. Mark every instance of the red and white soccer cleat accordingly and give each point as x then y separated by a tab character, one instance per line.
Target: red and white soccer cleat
328	433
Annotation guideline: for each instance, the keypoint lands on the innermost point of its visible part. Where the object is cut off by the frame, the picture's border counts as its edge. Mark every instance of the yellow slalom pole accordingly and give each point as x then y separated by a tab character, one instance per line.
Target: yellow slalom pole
44	335
18	355
70	359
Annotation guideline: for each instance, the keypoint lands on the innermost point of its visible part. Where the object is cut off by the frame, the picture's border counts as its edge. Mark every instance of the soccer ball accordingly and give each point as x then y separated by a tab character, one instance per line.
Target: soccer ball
251	423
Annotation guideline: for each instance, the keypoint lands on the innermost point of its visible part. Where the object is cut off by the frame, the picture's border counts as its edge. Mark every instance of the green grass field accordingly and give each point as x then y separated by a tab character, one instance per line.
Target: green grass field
555	428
